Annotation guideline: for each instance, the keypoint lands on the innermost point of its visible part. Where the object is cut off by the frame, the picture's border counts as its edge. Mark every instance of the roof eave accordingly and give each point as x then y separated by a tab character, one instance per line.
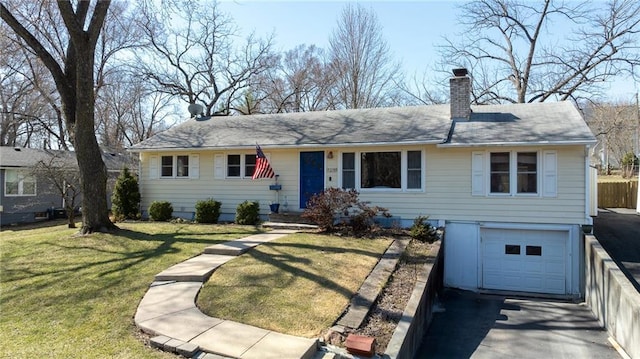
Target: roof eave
281	146
520	144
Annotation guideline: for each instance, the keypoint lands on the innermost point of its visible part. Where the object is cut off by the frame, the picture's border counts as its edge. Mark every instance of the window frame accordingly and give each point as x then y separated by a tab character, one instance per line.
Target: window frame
514	174
404	170
21	176
244	165
176	161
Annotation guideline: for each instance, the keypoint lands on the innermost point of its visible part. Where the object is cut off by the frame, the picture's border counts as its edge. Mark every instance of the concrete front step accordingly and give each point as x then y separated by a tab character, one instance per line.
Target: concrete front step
196	269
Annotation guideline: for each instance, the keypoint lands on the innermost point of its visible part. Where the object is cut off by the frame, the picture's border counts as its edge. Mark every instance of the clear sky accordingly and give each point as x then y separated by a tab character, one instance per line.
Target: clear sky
411	28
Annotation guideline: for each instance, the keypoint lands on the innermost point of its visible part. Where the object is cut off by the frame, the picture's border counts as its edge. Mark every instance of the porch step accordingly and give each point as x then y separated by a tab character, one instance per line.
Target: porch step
289	217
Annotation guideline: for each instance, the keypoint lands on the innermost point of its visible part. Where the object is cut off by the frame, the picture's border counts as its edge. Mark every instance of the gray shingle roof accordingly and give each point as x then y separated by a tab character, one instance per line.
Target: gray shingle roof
515	124
496	124
28	157
412	124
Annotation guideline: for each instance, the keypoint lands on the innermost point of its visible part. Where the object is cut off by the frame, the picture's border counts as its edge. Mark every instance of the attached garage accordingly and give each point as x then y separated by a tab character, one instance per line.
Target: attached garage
524	260
511	257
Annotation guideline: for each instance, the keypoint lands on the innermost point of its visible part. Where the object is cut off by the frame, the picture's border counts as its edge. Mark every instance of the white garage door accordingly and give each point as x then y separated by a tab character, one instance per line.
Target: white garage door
524	260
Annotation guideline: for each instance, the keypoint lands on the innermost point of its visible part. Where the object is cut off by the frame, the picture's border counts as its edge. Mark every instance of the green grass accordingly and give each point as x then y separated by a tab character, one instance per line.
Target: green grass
297	285
66	296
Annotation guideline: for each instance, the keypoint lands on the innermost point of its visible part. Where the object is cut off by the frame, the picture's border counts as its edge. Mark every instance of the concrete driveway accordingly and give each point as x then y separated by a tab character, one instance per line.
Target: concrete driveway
618	231
489	326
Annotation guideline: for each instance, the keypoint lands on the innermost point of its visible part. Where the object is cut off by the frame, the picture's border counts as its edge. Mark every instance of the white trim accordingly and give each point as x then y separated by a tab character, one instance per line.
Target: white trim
403	171
303	148
517	144
21	176
513	174
243	164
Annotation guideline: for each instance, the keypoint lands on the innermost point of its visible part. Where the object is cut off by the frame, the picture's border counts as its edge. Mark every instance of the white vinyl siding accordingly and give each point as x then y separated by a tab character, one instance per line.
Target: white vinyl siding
456	189
212	183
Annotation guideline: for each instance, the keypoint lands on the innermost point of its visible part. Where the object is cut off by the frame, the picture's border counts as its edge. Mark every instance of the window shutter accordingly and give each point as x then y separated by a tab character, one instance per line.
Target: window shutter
194	166
550	174
153	167
218	166
477	174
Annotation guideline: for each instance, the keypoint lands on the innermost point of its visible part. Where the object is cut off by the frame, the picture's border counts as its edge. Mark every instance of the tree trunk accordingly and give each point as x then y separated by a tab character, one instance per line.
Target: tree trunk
93	172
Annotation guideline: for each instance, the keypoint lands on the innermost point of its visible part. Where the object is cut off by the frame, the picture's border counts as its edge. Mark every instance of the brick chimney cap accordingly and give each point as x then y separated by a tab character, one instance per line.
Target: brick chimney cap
460	72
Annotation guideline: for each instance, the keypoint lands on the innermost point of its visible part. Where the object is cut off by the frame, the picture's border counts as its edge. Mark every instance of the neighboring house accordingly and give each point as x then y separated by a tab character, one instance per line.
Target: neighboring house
28	195
509	183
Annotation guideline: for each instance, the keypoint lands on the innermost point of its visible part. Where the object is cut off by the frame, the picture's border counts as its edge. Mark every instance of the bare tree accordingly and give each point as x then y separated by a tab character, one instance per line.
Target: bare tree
73	73
517	53
193	57
302	81
130	111
60	171
614	124
361	61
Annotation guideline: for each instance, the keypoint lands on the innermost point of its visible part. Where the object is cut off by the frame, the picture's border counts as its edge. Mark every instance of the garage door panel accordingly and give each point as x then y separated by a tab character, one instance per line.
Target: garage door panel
524	260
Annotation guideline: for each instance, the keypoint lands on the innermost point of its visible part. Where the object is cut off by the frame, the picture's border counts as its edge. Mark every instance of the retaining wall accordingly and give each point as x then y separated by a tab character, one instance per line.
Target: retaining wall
611	297
418	313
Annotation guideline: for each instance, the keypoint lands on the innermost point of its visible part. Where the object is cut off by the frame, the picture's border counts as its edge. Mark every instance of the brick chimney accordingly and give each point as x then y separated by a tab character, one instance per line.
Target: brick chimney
460	86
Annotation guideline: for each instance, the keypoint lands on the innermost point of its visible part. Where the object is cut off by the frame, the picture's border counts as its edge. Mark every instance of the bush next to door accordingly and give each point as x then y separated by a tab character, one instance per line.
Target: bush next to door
207	211
248	213
160	211
338	207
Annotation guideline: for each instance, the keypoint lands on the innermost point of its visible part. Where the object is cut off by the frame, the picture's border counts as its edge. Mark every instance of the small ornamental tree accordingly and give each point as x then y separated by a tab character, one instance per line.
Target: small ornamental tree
125	201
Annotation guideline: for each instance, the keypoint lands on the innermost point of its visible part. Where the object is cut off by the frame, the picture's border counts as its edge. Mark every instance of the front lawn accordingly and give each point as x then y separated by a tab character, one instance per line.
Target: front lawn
63	296
298	285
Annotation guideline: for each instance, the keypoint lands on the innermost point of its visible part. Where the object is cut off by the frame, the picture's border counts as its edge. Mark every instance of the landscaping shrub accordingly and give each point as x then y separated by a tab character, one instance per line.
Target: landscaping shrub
422	230
125	201
160	211
248	213
336	206
207	211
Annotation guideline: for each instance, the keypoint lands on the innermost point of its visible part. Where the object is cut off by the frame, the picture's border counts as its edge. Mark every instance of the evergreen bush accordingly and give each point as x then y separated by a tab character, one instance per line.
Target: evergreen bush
248	213
125	201
422	230
160	211
207	211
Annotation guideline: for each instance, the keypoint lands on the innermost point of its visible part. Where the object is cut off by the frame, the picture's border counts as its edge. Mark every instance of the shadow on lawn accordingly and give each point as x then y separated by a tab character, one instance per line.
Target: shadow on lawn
285	261
104	259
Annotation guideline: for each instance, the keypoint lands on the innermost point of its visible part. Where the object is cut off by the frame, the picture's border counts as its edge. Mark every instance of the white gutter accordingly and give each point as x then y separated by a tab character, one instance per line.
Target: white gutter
587	187
279	146
507	144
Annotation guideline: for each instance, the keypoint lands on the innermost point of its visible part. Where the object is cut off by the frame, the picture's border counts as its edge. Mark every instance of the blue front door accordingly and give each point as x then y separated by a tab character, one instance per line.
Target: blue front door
311	175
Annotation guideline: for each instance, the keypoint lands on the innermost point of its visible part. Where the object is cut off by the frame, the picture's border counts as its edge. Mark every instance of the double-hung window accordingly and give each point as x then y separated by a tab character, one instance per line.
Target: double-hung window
239	166
513	173
177	166
391	170
19	183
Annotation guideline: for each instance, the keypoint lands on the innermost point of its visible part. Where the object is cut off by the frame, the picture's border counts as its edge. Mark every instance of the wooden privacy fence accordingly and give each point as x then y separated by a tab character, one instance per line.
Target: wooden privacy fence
618	194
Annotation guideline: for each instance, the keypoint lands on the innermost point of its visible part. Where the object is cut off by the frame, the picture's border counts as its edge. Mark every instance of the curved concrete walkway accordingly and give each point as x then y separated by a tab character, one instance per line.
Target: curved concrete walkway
168	310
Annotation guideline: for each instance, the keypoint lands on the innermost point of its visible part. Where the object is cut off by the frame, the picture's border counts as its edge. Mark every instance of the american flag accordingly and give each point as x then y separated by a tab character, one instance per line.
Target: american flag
263	168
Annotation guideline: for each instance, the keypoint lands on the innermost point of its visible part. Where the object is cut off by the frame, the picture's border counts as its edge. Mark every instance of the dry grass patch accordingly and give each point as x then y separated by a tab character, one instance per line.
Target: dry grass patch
297	285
